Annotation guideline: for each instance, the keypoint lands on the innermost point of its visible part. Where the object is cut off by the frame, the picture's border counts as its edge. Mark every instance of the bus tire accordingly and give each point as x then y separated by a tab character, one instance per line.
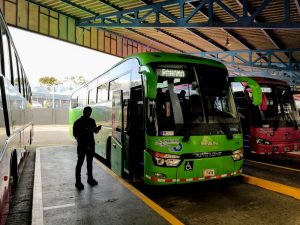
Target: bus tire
14	170
108	152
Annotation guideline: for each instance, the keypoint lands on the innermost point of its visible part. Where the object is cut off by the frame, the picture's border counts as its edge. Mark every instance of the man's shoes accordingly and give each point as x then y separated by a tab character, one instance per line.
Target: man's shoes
79	186
92	182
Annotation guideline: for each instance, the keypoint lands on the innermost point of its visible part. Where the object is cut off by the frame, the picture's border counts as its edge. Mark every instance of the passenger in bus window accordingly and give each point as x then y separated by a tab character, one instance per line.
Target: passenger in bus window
83	131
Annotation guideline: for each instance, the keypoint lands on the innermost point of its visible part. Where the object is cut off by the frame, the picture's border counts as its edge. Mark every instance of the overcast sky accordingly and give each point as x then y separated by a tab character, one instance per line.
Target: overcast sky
42	56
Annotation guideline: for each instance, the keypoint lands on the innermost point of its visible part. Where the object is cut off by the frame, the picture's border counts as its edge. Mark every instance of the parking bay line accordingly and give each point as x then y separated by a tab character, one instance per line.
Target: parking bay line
159	210
273	186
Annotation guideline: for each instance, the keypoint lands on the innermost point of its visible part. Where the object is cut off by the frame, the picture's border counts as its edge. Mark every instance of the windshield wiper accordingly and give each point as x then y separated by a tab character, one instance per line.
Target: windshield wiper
187	134
224	126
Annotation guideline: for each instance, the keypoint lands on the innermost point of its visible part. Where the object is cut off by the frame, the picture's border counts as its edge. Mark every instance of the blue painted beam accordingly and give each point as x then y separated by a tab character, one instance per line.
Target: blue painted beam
253	58
124	18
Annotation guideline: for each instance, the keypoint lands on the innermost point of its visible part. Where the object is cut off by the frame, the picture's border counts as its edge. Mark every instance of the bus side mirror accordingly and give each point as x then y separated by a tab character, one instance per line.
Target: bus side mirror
150	81
144	69
256	90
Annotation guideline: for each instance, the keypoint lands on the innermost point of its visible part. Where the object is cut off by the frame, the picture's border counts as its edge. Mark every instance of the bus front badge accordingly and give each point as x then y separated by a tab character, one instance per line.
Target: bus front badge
188	165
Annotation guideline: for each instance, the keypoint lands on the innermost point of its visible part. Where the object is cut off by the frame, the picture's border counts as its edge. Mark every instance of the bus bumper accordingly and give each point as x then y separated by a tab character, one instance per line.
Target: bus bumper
191	171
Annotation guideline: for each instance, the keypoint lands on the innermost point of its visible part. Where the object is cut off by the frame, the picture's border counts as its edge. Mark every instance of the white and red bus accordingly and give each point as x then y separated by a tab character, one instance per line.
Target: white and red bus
274	126
15	118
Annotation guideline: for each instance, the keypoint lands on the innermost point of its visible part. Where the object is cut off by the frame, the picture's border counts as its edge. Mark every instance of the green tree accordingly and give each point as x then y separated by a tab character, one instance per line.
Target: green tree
75	81
49	81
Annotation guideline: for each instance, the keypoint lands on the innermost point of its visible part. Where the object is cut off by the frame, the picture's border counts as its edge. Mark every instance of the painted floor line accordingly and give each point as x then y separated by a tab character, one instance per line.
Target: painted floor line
37	203
58	206
273	186
268	164
162	212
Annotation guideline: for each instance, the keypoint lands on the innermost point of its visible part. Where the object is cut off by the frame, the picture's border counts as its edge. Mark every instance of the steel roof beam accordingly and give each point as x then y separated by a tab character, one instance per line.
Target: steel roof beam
147	2
146	36
178	39
268	34
241	40
84	9
153	39
234	57
120	18
118	8
297	2
107	2
79	7
207	39
46	7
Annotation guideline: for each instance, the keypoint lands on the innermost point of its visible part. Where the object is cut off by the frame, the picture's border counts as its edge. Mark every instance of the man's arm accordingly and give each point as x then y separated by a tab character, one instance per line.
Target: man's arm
97	129
75	130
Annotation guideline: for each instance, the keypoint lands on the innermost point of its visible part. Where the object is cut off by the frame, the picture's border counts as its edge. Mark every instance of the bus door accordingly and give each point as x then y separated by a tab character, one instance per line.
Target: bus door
137	132
117	145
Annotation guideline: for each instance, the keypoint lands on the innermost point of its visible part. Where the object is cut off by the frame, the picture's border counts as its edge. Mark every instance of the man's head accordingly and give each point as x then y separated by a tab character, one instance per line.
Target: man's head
87	111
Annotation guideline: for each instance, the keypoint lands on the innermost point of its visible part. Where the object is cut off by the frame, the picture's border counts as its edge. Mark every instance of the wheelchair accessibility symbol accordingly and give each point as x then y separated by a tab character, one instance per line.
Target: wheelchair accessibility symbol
188	165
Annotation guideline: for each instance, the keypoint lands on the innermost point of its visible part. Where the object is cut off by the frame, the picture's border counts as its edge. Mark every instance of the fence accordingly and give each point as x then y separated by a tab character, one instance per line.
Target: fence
43	116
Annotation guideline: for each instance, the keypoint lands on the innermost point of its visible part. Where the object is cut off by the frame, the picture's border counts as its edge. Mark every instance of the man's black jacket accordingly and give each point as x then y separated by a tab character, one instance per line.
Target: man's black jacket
83	130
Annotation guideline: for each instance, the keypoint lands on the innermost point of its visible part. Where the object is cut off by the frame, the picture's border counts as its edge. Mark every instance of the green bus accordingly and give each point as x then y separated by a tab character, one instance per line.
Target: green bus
166	118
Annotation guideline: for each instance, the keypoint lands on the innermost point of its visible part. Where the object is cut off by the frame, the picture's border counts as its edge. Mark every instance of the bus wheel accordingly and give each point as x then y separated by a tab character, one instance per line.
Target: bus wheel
14	170
108	152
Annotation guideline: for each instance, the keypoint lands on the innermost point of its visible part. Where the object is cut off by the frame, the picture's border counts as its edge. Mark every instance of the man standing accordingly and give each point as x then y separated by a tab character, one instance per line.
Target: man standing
83	130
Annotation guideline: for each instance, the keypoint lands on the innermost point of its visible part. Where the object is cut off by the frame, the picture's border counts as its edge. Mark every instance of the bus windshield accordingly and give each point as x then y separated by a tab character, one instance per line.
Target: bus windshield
192	100
277	109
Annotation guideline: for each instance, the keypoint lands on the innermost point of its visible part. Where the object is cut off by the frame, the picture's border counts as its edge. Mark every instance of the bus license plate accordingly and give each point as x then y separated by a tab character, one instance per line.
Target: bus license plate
209	173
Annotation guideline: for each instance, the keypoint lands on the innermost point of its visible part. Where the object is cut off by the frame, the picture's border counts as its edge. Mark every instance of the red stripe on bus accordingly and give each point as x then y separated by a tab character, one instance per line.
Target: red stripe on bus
154	179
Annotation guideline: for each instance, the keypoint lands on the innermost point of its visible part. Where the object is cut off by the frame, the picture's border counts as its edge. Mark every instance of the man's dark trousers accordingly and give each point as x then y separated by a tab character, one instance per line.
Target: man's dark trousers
82	151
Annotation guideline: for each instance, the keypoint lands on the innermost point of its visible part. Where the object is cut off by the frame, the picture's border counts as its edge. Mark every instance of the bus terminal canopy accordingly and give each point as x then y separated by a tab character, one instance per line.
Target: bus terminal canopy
263	34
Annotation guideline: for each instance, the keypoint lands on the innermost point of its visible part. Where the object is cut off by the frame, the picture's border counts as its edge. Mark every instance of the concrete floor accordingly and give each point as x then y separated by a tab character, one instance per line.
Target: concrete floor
107	203
221	202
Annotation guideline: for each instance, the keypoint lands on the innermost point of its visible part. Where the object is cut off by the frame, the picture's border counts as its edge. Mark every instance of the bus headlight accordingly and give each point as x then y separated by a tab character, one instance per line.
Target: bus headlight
162	159
262	141
238	154
159	161
172	162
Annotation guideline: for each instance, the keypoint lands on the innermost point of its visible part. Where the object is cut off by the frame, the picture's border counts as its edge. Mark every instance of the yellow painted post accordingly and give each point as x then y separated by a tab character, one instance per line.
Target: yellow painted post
100	40
94	41
53	32
10	10
33	17
22	14
71	30
44	21
62	27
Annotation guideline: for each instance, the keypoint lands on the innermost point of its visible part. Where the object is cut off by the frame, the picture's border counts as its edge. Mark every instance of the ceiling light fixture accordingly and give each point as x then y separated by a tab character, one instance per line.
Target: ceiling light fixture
227	43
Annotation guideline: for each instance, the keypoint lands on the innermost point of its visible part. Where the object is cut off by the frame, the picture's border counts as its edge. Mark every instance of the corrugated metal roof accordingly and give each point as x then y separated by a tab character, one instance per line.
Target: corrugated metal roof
199	39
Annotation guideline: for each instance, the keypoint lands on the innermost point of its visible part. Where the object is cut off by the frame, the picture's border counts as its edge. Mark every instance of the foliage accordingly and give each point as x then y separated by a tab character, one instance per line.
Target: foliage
49	81
75	81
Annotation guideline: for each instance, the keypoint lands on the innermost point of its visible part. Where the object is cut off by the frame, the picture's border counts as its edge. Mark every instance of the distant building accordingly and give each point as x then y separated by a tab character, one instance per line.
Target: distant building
41	98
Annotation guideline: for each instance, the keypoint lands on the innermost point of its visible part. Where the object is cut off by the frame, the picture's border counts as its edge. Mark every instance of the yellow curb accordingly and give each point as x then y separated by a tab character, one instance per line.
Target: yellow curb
268	164
273	186
162	212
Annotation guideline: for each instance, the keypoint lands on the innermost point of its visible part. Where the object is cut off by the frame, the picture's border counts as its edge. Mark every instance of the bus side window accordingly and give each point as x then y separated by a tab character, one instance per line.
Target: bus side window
113	86
92	96
6	52
102	93
15	69
74	102
136	79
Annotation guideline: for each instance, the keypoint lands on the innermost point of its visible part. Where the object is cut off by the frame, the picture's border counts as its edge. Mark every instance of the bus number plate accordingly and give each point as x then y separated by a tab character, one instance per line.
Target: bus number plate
209	173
